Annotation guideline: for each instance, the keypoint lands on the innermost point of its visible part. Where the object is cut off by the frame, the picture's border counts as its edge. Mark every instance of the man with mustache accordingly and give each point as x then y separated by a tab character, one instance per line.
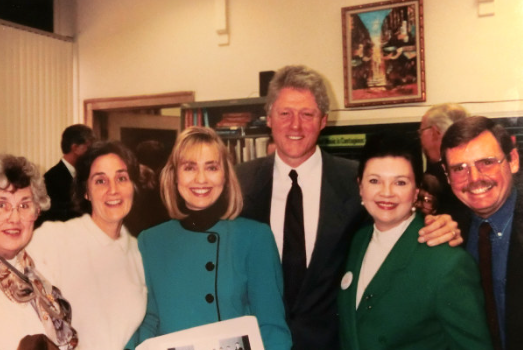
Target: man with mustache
434	123
481	161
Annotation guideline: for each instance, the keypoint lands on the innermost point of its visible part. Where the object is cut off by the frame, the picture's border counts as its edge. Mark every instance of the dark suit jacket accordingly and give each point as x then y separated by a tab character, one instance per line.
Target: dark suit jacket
514	288
313	320
420	298
58	181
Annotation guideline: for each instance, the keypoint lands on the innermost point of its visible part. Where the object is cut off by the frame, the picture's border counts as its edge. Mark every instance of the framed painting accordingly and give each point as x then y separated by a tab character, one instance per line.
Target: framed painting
383	54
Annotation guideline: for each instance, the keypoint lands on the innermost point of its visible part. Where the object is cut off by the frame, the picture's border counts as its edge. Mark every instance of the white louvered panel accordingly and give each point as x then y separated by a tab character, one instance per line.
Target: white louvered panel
36	92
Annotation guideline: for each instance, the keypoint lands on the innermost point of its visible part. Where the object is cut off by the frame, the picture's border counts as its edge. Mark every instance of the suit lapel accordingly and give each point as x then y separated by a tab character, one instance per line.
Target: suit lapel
334	214
259	196
398	258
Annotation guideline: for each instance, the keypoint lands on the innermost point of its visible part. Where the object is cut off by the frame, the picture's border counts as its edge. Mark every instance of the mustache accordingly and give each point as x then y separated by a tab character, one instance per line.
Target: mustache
478	184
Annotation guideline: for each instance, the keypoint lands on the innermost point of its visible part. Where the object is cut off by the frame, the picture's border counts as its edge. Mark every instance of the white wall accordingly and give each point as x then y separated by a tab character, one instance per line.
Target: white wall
135	47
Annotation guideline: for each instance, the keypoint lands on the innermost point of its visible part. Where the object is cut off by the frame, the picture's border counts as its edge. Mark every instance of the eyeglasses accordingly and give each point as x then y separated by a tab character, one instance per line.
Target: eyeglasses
460	172
26	210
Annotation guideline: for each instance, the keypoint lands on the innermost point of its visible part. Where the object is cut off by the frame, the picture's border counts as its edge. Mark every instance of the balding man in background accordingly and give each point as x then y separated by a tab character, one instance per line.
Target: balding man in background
434	124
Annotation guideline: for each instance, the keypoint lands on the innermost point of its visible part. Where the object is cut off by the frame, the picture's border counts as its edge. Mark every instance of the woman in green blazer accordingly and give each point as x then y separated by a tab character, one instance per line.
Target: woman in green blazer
397	293
209	265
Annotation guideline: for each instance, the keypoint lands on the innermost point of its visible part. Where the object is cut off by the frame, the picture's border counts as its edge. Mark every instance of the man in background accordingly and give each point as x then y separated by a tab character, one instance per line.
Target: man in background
434	124
482	163
76	139
297	108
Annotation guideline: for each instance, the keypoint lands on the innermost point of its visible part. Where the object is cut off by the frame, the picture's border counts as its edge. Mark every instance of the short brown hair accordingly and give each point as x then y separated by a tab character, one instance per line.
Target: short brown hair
467	129
83	170
299	78
191	137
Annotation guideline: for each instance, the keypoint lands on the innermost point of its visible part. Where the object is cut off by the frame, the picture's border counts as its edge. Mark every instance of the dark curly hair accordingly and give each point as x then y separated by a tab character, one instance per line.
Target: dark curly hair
83	169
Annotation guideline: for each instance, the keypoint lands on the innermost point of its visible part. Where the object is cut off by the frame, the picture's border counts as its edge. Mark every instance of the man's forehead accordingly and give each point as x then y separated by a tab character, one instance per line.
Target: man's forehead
482	146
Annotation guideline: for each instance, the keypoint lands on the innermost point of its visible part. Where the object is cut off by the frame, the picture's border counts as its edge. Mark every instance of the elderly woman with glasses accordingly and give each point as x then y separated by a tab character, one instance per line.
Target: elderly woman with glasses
32	309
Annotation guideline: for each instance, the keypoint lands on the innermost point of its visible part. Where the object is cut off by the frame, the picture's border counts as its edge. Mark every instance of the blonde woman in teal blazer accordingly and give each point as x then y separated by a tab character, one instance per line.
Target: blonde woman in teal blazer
208	265
413	296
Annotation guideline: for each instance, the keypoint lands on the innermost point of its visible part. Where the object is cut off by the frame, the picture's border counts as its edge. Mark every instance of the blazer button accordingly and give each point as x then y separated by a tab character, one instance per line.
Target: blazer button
209	266
211	238
209	298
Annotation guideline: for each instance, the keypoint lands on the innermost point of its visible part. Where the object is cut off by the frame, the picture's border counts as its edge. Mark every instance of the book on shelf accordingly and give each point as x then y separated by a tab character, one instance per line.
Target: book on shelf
249	146
260	146
232	131
196	117
238	151
206	117
235	119
187	118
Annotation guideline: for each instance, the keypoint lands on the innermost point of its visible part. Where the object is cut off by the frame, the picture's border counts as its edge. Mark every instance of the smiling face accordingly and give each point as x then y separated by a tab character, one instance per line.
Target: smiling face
296	122
15	233
483	193
388	190
201	176
110	190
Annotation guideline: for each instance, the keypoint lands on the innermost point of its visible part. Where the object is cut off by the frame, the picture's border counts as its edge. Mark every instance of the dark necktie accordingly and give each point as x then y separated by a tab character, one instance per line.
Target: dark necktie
485	267
294	262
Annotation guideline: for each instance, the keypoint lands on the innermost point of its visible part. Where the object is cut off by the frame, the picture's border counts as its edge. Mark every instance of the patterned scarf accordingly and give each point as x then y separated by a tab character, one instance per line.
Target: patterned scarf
30	287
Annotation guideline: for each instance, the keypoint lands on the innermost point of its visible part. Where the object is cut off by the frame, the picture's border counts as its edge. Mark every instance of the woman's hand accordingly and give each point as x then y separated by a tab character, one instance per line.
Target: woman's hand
440	229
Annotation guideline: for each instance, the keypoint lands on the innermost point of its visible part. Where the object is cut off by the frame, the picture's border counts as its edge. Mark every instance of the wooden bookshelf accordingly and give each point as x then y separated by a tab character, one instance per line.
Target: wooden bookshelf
241	123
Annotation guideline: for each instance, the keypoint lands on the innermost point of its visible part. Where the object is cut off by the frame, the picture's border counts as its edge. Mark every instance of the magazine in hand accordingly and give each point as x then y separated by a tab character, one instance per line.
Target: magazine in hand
242	333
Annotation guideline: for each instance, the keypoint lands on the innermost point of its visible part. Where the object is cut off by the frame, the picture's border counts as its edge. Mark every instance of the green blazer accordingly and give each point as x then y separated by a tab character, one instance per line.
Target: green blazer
421	298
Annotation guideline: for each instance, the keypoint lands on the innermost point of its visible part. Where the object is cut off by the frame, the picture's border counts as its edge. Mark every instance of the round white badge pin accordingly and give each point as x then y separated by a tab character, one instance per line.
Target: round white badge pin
346	280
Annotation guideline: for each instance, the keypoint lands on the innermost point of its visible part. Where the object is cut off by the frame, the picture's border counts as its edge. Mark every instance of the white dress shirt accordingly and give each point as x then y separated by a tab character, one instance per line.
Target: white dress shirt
70	167
309	179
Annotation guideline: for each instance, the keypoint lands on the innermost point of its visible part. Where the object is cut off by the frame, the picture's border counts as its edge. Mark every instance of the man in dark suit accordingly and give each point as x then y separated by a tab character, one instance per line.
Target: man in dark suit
297	108
76	139
482	164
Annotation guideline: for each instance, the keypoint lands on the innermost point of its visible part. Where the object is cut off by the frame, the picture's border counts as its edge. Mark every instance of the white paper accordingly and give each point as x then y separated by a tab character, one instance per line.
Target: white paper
238	333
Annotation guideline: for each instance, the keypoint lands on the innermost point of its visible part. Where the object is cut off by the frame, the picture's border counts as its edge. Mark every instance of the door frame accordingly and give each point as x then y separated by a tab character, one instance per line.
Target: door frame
171	99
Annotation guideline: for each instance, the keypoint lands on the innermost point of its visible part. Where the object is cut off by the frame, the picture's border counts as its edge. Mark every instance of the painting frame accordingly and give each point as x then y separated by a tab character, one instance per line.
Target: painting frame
395	73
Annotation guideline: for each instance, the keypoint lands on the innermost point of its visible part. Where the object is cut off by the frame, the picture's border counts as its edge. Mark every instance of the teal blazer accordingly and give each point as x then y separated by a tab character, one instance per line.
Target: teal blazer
420	298
195	278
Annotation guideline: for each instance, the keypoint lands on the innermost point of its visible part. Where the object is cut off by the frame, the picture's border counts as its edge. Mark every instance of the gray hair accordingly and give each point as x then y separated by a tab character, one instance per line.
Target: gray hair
21	173
444	115
300	78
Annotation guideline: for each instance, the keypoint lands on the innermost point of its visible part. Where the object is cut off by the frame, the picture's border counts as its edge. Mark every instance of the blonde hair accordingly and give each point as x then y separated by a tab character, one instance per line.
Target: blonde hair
192	137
